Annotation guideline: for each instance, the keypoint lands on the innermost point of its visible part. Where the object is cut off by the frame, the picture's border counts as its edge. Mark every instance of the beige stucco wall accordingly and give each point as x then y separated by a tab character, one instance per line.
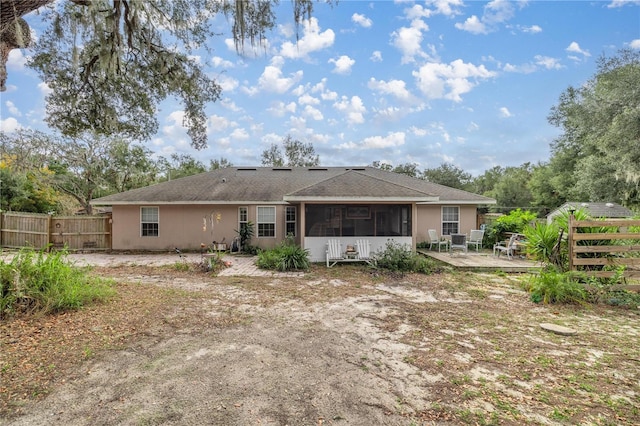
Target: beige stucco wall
430	217
183	227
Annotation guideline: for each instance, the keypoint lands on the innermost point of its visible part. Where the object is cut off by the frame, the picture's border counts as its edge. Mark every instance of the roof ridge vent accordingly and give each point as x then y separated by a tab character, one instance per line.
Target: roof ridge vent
282	169
317	169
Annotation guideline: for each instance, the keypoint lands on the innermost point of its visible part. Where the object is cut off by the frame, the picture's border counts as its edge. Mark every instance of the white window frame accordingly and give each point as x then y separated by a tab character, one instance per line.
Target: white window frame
147	220
260	221
448	220
294	212
241	211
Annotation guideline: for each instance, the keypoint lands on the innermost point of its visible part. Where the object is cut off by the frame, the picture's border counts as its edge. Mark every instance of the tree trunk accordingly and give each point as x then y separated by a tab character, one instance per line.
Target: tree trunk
14	31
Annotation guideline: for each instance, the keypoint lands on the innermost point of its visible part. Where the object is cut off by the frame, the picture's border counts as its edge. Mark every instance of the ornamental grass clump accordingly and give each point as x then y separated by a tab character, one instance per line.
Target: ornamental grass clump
39	282
287	256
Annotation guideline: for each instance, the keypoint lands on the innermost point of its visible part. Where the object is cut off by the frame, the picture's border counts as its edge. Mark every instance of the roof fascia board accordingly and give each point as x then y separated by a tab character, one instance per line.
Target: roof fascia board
475	203
361	199
181	203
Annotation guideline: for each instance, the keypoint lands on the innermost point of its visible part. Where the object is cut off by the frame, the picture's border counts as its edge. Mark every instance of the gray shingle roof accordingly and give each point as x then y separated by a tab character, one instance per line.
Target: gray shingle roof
595	210
276	185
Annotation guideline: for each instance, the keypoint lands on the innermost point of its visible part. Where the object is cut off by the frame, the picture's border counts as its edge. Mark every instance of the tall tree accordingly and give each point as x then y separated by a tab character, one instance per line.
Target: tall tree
512	191
598	149
80	167
130	166
220	163
296	154
449	175
180	165
110	62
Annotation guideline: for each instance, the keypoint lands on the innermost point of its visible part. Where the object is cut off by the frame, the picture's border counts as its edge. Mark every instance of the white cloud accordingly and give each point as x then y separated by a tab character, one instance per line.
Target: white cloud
9	125
17	60
635	44
575	48
313	113
44	88
396	88
409	40
417	11
524	69
534	29
361	20
622	3
449	81
472	25
311	41
239	134
505	113
13	109
353	109
447	7
376	56
228	84
342	65
217	123
272	80
389	141
219	62
498	11
307	99
547	62
495	12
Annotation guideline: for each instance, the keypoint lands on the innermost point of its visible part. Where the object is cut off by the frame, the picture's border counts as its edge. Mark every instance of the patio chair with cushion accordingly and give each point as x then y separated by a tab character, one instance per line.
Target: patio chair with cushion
435	241
508	247
475	238
458	242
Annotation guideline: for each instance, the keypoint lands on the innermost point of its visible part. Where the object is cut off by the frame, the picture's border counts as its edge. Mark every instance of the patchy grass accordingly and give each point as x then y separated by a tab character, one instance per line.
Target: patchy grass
476	337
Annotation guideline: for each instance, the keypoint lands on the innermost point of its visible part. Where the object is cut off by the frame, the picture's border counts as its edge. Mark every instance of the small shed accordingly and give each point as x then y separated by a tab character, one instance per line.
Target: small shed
594	210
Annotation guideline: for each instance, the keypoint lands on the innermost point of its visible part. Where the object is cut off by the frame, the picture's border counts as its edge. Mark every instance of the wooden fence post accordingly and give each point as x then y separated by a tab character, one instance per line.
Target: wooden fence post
570	230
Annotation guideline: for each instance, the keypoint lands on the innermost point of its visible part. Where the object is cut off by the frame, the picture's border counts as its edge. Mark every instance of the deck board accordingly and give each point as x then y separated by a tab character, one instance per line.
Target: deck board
483	261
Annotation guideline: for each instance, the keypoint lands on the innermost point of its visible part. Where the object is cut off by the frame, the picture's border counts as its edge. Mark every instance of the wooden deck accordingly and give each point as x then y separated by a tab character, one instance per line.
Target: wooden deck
483	261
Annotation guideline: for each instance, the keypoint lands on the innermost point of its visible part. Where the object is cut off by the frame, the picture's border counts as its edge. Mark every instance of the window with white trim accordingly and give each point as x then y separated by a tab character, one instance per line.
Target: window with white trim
290	221
243	217
266	221
450	220
149	221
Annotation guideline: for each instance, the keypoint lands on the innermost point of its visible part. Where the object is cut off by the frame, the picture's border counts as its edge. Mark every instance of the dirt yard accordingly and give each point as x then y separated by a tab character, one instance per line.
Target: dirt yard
340	346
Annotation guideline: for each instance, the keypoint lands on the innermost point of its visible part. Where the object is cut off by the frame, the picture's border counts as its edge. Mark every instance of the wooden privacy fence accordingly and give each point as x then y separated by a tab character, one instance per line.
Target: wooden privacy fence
589	253
42	231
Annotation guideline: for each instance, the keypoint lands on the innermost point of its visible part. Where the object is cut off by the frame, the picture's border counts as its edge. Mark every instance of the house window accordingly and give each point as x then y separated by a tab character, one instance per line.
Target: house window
243	217
450	220
149	222
266	221
290	221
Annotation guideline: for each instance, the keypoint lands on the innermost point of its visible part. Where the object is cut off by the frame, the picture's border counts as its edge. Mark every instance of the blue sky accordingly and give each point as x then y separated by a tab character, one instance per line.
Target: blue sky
464	82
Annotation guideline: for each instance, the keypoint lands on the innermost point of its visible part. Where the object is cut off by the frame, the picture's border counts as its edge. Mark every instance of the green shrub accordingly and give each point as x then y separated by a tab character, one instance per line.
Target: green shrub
515	221
396	257
285	257
554	286
46	283
542	244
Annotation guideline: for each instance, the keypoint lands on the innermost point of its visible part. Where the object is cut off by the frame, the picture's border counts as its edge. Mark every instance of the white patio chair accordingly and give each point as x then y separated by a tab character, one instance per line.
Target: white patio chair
475	238
434	240
334	252
458	242
508	247
364	251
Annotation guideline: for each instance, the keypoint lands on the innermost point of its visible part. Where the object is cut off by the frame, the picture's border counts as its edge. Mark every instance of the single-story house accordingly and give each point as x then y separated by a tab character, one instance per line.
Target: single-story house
594	210
310	204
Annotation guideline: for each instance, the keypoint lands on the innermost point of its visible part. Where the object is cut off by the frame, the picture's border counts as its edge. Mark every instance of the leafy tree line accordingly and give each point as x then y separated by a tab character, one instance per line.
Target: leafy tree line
595	159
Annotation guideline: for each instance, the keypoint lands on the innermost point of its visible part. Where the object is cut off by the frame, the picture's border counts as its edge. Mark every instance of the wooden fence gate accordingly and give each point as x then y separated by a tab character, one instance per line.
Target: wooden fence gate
42	231
617	253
